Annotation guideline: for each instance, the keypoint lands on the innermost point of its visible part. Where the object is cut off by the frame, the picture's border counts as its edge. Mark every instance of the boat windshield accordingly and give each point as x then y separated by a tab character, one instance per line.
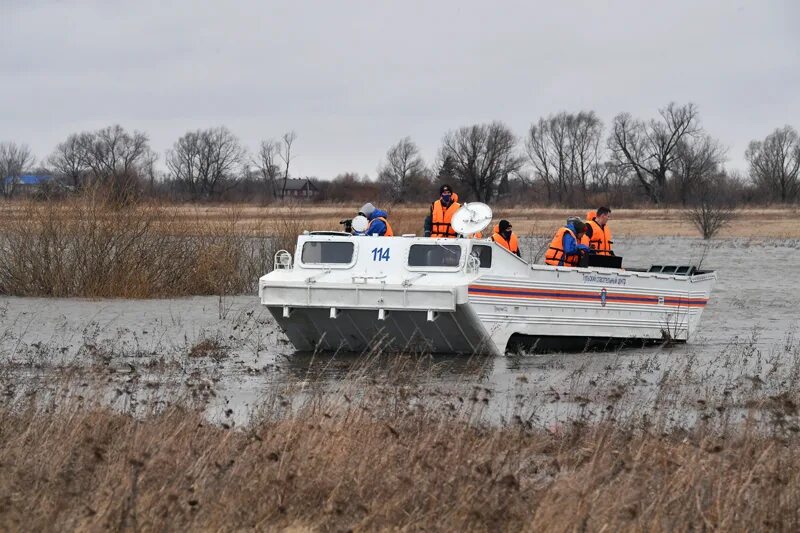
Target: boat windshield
434	255
333	252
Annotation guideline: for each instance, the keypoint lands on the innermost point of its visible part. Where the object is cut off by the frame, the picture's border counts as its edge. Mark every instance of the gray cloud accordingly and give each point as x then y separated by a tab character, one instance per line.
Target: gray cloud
353	77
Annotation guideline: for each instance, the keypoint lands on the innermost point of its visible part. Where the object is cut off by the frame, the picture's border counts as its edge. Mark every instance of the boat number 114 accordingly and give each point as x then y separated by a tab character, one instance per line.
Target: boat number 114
380	254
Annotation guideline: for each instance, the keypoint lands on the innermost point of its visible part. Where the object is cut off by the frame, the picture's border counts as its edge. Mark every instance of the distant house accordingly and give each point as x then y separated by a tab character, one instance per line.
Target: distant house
297	188
28	184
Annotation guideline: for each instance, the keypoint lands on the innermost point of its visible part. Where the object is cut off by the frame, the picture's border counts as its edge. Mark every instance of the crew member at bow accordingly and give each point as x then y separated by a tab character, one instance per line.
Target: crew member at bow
505	237
441	214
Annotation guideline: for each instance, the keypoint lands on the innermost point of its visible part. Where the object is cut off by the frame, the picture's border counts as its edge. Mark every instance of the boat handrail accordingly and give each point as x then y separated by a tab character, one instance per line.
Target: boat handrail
282	260
313	279
472	265
363	278
409	281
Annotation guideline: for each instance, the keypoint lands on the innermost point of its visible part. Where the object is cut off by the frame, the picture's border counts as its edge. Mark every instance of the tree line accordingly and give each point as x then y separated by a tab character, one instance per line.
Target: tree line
568	159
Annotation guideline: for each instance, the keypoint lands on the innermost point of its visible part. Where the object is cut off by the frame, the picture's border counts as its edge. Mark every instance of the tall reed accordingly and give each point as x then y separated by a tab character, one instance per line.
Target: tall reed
373	458
92	247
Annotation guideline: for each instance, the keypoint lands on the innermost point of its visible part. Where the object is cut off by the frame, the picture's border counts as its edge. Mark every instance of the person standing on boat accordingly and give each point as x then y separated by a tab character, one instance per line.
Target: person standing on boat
506	238
378	221
565	248
437	224
598	234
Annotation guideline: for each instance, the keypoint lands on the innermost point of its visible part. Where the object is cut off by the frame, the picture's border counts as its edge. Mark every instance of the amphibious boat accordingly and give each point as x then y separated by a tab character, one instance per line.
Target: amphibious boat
466	295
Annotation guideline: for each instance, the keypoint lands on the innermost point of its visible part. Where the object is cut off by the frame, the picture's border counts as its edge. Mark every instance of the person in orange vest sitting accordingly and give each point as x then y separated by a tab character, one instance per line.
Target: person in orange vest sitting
566	248
506	238
437	224
598	234
378	223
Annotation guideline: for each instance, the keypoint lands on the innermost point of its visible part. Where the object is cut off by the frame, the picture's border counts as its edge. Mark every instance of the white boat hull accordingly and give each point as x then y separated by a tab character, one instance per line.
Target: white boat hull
370	303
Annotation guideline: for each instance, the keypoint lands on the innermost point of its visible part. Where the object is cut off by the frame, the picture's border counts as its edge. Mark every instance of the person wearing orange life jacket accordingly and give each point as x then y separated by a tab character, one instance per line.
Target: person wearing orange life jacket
566	248
598	234
378	223
506	238
438	223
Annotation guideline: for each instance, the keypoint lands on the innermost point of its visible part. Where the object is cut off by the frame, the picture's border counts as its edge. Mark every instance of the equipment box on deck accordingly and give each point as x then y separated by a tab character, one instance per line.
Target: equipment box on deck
604	261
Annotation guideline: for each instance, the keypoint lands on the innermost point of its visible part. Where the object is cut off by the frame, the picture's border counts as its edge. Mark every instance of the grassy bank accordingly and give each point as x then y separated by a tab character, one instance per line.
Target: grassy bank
773	223
90	247
380	462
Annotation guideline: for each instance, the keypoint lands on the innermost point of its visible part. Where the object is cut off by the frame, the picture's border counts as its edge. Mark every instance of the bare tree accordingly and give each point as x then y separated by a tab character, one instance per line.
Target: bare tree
564	150
585	131
480	156
350	187
709	211
68	161
403	170
649	149
207	162
698	159
446	169
268	167
115	156
286	156
775	163
614	181
110	157
149	171
547	154
14	159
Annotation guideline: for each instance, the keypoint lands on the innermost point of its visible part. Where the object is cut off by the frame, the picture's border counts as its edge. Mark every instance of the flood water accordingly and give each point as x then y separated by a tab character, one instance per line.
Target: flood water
745	345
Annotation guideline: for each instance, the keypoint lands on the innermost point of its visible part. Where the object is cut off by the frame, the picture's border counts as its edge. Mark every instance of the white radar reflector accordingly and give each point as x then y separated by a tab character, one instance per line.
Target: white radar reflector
471	218
360	224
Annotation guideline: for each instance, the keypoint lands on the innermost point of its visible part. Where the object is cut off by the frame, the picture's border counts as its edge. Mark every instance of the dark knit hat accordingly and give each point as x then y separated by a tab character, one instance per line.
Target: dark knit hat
445	186
504	225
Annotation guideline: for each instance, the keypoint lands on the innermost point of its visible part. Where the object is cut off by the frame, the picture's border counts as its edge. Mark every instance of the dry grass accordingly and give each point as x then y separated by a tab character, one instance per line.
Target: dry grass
254	220
206	347
706	444
748	223
91	247
374	460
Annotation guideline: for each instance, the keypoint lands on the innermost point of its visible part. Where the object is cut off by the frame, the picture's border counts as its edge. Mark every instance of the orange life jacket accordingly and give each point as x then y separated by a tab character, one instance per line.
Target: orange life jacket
585	238
441	217
389	232
600	241
555	255
512	245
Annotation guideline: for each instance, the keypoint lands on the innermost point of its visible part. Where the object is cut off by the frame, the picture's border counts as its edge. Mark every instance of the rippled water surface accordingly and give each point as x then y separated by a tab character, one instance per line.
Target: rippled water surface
230	349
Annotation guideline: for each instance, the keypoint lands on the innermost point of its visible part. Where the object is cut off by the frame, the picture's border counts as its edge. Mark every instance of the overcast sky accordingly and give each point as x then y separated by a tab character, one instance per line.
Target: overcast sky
351	78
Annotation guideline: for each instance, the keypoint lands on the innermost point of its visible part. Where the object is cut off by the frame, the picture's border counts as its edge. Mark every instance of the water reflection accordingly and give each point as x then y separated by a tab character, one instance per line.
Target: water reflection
316	366
745	341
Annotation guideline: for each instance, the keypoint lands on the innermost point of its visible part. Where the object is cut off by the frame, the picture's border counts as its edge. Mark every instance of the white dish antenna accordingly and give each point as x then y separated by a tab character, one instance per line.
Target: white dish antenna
361	224
471	218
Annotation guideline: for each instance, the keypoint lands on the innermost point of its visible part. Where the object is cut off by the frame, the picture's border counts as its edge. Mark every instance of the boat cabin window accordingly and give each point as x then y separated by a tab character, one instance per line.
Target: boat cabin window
434	255
333	252
484	255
